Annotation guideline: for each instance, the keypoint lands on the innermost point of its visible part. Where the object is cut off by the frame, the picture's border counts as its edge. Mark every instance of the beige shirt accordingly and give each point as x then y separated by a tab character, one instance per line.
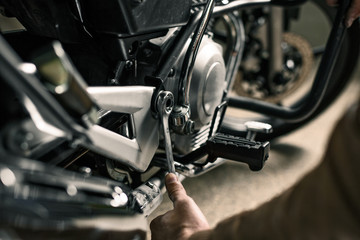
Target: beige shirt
325	204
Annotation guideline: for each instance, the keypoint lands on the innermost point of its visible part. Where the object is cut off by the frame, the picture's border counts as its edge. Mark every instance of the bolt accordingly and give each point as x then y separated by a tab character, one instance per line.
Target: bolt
29	136
113	81
71	190
171	73
189	127
85	170
261	21
24	139
7	177
129	64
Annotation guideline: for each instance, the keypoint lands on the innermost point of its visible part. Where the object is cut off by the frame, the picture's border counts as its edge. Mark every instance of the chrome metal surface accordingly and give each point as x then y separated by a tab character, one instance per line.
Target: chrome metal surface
238	35
40	123
183	105
254	127
190	170
190	57
78	8
23	138
50	117
180	120
137	152
237	4
187	143
36	195
148	196
61	78
208	82
164	104
26	84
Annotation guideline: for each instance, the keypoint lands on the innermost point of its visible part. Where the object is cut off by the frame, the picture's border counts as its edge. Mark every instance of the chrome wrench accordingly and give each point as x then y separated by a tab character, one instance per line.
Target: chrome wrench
164	106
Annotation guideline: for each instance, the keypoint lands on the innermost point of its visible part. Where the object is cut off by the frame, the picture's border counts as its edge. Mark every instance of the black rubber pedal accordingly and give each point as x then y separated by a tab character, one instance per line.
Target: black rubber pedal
238	149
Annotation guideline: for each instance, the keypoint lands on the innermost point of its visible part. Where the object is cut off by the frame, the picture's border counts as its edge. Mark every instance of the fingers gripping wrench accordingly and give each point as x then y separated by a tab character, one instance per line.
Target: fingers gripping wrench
164	106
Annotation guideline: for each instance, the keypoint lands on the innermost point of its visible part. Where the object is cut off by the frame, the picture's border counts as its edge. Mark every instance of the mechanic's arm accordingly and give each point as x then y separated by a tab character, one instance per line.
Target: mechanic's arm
323	205
353	12
184	220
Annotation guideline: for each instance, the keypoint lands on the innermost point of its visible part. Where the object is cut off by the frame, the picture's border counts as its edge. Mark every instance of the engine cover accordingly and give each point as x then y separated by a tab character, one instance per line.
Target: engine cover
208	82
206	91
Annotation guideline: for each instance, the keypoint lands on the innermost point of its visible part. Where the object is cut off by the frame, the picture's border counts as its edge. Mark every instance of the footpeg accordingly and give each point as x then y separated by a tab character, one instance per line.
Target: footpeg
238	149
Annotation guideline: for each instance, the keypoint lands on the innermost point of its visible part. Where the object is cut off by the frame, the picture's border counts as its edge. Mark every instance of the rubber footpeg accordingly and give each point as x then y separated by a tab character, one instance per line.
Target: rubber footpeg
238	149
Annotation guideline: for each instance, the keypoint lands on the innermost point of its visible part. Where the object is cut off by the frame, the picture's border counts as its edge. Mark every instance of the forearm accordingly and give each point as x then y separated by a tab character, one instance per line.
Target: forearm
324	204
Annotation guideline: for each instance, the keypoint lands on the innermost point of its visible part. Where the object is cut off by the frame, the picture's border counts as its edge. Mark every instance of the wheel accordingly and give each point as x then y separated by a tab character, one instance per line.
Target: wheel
345	64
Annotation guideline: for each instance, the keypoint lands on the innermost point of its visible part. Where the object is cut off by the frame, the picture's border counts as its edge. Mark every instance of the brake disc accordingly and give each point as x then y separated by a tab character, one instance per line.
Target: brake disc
298	61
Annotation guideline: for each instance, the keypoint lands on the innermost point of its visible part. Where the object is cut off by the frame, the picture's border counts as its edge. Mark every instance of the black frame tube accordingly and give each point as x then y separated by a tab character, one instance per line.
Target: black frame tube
174	51
190	56
307	105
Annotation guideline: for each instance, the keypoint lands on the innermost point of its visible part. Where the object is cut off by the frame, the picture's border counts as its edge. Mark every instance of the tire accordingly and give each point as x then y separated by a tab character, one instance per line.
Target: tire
345	66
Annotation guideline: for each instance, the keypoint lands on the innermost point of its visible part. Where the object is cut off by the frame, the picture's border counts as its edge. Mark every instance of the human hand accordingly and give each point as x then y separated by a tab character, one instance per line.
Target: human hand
352	13
185	219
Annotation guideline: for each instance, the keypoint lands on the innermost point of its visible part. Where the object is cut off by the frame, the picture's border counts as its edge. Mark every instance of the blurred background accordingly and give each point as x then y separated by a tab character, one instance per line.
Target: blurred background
233	188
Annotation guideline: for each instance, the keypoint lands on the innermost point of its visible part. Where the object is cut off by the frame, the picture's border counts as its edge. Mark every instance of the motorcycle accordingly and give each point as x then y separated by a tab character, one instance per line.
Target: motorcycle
101	100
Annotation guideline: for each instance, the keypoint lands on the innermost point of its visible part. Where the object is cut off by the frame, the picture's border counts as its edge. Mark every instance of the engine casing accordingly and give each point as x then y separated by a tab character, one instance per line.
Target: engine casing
208	82
206	92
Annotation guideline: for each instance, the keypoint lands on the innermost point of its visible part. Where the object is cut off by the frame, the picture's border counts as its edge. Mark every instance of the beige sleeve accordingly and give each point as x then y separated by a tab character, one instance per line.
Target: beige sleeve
325	204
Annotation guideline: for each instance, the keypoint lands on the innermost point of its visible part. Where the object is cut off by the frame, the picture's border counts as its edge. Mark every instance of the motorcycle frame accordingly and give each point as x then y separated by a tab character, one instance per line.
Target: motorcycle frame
308	104
45	109
120	98
134	153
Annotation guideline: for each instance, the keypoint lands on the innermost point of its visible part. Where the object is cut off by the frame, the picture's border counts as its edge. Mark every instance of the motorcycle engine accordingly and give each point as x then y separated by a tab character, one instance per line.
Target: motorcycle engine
206	91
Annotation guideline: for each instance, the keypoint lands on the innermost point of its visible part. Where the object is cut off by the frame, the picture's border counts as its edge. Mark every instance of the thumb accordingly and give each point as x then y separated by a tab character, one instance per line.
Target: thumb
174	188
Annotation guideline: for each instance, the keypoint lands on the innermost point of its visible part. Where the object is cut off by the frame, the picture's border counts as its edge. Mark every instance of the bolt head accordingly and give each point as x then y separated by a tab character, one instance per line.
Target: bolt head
190	126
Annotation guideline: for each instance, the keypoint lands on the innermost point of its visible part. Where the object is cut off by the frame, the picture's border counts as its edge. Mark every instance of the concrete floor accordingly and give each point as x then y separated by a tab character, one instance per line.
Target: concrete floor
232	187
